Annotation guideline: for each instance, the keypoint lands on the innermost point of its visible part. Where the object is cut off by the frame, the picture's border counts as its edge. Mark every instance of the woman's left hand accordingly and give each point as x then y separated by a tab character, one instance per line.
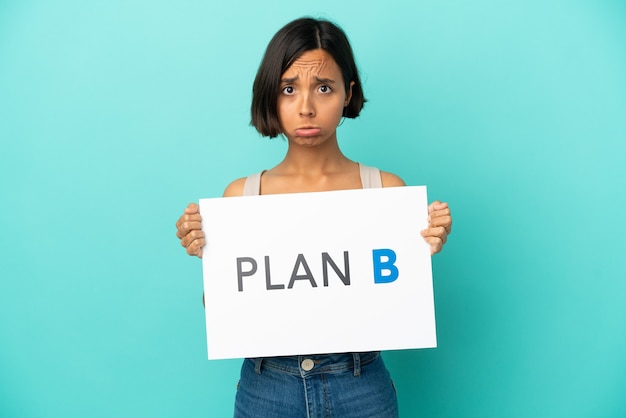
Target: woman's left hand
439	226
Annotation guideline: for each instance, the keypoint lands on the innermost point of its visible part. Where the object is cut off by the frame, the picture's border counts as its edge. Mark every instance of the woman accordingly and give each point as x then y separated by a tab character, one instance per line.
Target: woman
306	83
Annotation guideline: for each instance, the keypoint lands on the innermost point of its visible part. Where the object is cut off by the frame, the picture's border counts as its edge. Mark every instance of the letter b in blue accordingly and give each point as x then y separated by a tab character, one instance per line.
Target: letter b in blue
384	260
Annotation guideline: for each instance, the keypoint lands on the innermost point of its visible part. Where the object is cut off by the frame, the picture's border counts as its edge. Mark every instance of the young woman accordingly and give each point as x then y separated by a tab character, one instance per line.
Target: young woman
306	83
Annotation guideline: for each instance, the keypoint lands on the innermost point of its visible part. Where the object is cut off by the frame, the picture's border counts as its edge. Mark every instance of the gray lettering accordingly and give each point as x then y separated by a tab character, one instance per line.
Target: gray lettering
268	279
241	274
294	275
345	277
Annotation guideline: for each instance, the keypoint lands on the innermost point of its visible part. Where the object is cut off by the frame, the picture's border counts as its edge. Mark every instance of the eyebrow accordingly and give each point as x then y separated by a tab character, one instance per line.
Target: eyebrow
318	79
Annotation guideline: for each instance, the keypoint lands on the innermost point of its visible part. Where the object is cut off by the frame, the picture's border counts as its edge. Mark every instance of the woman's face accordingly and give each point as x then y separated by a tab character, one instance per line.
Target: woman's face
312	99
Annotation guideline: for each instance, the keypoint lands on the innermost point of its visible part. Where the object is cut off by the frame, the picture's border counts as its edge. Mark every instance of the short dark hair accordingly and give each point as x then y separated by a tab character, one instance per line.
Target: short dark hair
287	46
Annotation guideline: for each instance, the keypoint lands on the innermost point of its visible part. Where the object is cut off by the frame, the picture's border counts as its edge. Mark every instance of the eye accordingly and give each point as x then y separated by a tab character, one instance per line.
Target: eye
288	90
325	89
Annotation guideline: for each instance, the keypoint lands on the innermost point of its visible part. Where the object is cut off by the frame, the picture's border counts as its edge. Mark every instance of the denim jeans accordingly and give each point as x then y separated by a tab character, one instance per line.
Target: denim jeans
353	385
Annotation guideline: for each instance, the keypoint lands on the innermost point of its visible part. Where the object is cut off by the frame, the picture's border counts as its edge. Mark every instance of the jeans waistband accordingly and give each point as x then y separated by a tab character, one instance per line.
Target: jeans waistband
316	363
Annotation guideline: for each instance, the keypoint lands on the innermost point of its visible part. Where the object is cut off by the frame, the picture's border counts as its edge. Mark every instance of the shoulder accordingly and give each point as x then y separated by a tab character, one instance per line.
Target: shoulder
235	188
391	180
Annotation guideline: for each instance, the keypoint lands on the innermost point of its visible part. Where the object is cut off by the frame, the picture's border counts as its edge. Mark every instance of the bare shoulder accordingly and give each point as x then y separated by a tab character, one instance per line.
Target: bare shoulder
391	180
235	188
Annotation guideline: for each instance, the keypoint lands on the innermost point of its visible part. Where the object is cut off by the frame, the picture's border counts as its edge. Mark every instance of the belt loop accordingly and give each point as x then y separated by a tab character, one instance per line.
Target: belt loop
257	364
357	364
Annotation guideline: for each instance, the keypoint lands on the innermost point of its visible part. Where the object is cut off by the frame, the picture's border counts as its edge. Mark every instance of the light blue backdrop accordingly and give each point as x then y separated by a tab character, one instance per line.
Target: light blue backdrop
114	115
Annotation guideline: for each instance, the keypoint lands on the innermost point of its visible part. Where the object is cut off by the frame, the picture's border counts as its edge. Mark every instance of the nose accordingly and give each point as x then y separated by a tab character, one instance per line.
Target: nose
307	109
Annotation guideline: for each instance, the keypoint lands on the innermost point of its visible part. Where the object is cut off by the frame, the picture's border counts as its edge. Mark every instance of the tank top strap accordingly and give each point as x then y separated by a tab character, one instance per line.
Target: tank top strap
252	186
370	177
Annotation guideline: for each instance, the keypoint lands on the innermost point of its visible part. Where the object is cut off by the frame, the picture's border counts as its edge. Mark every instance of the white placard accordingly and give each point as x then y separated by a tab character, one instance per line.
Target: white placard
310	273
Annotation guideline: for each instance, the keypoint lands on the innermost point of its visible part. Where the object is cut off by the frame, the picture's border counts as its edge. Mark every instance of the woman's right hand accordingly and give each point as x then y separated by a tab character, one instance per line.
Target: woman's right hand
189	230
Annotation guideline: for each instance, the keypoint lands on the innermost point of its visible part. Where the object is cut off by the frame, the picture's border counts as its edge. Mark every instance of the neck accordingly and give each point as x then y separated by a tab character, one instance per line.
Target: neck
312	160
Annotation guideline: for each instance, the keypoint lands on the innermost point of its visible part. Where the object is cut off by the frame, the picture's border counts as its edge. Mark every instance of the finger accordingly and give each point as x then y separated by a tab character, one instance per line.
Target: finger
435	243
188	217
444	221
439	212
186	223
190	237
195	248
436	232
437	205
434	211
192	245
437	209
441	217
192	208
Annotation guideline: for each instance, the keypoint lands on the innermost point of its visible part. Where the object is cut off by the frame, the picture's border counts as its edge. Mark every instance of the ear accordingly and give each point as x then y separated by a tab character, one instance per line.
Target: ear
348	95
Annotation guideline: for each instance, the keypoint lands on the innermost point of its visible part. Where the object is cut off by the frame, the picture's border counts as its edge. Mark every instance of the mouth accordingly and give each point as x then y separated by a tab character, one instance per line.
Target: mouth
308	131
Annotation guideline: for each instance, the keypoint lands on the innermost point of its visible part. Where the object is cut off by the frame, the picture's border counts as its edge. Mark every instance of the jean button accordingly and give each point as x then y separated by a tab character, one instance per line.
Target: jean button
307	364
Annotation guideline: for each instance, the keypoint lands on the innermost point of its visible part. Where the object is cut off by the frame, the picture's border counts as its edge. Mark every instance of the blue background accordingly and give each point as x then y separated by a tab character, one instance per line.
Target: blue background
114	115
